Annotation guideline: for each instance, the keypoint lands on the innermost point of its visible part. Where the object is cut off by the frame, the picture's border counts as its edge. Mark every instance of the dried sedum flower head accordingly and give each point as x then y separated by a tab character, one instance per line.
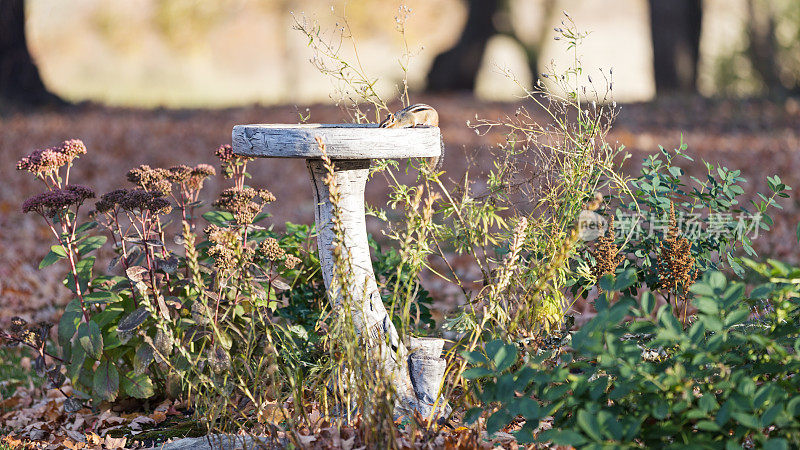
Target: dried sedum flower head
227	250
72	148
53	202
270	250
199	174
151	179
242	203
229	160
142	200
291	261
179	173
48	160
225	153
110	200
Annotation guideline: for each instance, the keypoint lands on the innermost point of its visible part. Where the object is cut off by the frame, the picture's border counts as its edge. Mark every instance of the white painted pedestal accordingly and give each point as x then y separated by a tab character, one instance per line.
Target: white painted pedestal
351	147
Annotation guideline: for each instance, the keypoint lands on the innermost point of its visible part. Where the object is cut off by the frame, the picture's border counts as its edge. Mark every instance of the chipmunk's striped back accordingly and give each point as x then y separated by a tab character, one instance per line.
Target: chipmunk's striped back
418	114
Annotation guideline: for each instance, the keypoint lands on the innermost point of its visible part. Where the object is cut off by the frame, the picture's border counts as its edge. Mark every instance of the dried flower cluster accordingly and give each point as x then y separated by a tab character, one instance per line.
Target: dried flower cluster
232	165
190	177
53	202
228	252
270	250
48	160
244	203
151	179
606	253
134	200
676	266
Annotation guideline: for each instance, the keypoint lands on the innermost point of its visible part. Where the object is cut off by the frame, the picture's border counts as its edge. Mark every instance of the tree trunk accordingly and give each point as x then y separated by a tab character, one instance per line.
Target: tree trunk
19	77
456	69
675	29
762	48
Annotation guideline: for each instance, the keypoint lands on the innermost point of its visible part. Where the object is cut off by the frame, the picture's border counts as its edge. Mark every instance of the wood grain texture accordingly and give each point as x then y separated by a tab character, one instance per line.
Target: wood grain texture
370	317
343	141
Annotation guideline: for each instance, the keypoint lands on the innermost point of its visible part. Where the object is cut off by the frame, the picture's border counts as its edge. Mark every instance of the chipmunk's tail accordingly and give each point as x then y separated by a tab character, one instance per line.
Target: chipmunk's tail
435	163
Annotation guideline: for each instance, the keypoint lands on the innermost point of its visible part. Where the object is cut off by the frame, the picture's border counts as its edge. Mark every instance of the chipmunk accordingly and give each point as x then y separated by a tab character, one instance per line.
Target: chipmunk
416	115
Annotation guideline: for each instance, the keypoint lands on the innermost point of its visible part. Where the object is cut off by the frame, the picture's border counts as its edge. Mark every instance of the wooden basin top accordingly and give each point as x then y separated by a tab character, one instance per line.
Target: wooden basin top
342	141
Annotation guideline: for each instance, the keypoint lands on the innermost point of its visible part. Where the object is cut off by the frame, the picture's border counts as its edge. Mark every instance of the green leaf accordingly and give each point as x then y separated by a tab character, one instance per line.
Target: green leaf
59	250
84	270
133	320
106	381
776	444
218	218
648	302
137	385
498	420
588	423
562	437
706	305
472	415
707	425
609	425
625	280
717	280
748	420
76	360
702	289
101	298
90	338
85	227
91	244
56	252
476	372
68	324
606	282
505	357
737	316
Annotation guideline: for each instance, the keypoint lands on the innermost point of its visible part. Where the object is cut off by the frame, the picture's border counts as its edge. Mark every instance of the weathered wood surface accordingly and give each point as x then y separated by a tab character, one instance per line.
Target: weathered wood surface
342	141
370	317
352	147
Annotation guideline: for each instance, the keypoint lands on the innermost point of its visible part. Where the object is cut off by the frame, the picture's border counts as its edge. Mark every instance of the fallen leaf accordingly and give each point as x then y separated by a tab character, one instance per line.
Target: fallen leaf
115	443
158	416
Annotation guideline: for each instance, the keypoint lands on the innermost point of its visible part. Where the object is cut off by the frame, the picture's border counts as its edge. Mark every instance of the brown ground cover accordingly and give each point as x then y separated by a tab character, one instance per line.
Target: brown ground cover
759	138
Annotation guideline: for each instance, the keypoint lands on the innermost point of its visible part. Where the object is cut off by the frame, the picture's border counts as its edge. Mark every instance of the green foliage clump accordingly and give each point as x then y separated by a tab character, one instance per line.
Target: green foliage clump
634	377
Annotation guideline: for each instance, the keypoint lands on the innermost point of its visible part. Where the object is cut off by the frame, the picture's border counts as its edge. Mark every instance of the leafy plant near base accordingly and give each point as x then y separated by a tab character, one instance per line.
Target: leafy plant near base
635	377
178	314
669	213
228	317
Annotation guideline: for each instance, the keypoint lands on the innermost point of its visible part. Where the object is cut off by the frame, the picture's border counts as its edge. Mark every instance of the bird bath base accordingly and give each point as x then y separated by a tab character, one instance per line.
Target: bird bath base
417	378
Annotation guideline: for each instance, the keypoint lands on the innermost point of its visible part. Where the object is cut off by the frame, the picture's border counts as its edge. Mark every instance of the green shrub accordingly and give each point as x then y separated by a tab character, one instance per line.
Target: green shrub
633	379
671	227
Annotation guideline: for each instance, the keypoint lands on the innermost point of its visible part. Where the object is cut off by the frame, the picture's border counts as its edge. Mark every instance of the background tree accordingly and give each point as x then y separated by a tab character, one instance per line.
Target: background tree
675	27
775	61
457	68
19	77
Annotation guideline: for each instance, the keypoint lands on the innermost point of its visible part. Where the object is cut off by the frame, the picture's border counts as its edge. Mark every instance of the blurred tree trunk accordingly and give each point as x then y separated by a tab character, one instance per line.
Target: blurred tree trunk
675	29
457	68
19	77
762	49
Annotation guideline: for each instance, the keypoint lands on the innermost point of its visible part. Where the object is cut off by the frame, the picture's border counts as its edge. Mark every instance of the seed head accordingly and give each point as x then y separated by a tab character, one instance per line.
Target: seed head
141	200
151	179
53	202
109	200
199	174
179	174
244	203
270	250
